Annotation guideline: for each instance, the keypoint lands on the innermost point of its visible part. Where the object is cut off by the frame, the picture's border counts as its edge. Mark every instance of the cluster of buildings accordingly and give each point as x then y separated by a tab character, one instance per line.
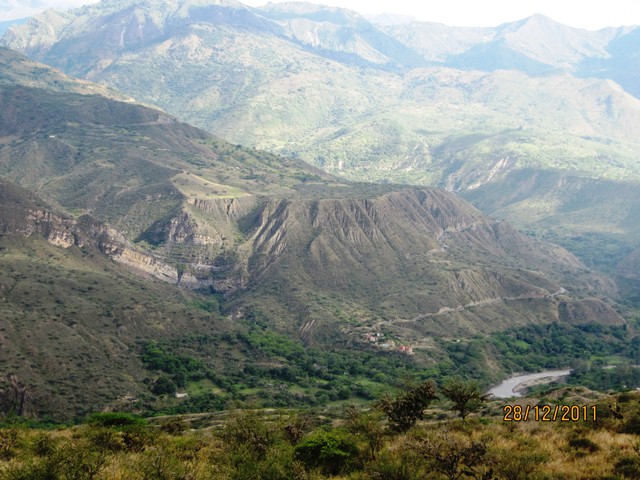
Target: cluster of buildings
377	338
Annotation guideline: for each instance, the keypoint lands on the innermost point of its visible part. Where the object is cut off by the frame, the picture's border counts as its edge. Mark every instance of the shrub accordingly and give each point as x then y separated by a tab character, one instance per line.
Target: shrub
115	420
248	430
406	409
163	386
8	439
628	467
366	425
43	445
451	454
582	443
394	466
332	452
466	397
159	464
632	423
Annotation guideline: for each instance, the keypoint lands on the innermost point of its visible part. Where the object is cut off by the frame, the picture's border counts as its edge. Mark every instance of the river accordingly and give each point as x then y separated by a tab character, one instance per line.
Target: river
511	386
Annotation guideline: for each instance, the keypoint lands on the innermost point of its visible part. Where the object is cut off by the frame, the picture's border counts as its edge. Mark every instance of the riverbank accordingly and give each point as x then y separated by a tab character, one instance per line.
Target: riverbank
516	385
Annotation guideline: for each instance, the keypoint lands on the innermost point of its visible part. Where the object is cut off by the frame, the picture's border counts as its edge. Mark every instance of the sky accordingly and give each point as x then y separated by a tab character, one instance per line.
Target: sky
589	14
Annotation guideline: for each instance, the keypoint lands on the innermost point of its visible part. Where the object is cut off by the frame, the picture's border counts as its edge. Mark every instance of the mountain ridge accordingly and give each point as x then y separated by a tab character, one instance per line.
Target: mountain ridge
343	105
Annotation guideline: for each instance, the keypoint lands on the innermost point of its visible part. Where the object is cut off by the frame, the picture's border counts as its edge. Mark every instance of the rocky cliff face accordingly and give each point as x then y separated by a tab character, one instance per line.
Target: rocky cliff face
22	215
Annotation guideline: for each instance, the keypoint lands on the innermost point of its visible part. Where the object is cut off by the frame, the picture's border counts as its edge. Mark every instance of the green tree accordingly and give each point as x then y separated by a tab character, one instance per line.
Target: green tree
466	397
163	385
332	451
368	426
407	408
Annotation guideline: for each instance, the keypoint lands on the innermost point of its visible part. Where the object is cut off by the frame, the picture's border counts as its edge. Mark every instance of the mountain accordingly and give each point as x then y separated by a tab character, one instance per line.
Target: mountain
332	31
535	45
102	190
325	86
223	215
388	19
6	25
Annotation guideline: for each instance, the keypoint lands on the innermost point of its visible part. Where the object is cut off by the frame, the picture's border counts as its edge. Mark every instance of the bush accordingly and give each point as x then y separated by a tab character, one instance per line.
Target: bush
332	452
452	454
8	439
466	397
628	467
69	462
163	386
248	430
632	423
406	409
581	443
392	466
43	445
115	420
159	464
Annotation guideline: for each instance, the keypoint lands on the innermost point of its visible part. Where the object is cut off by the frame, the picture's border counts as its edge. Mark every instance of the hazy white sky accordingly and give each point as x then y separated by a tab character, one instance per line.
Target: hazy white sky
590	14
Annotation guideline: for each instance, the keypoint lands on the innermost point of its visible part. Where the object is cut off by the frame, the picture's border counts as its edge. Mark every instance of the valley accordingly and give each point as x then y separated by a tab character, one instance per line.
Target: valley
291	206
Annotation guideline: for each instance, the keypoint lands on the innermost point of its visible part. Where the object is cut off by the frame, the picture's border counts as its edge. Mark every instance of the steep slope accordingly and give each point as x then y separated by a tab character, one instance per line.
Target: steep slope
71	318
534	45
369	124
6	25
241	221
364	124
595	218
319	84
620	63
334	31
412	263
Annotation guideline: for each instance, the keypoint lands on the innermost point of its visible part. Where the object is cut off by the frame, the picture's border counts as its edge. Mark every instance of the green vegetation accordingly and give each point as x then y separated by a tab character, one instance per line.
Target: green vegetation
286	445
540	347
602	377
405	410
466	397
313	291
271	370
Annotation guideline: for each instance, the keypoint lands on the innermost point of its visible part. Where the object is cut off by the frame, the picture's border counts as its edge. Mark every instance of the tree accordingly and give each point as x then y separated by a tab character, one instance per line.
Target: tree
407	408
466	397
13	396
368	426
163	385
455	455
331	451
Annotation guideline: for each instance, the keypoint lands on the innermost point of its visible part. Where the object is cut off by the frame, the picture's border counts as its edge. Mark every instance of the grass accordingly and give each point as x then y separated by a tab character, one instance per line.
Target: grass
193	186
227	444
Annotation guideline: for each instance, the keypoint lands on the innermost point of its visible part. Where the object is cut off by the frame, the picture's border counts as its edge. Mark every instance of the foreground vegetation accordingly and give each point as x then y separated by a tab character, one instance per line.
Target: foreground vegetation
349	444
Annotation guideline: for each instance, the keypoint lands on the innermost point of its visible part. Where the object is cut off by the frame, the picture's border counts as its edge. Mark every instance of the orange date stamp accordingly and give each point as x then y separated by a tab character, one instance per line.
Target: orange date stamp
549	413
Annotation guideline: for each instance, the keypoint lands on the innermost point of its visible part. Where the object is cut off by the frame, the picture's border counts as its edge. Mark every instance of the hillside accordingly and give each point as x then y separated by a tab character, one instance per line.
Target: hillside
304	264
468	110
200	202
72	319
